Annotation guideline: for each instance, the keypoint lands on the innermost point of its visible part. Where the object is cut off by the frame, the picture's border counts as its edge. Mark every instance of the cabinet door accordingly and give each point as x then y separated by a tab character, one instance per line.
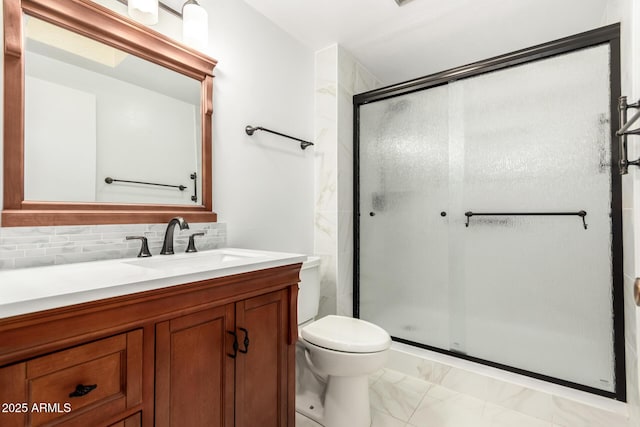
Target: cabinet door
261	372
194	375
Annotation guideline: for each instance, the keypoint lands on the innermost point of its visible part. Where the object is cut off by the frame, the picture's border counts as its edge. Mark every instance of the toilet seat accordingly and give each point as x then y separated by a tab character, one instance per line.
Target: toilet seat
346	334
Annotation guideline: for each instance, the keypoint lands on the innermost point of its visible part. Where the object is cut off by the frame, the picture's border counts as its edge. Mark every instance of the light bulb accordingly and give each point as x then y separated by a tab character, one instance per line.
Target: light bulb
195	25
144	11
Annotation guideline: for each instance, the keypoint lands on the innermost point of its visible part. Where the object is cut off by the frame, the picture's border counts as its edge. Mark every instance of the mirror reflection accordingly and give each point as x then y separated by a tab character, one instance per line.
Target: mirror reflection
95	114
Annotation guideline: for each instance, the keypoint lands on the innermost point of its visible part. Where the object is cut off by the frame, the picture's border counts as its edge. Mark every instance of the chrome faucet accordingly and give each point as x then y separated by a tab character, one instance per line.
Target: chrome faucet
167	246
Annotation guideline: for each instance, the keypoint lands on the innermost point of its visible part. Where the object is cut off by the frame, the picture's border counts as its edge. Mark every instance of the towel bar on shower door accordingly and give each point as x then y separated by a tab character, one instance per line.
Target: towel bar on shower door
581	214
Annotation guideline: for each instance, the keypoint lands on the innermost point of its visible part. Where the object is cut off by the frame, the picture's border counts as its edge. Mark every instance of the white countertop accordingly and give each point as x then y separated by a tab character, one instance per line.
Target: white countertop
41	288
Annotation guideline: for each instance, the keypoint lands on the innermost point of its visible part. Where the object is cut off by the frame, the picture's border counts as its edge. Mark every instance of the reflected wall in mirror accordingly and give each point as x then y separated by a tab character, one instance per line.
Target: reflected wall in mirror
91	96
96	113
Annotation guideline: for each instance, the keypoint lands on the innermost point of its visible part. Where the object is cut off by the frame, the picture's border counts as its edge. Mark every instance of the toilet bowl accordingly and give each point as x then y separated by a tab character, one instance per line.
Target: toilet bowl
334	358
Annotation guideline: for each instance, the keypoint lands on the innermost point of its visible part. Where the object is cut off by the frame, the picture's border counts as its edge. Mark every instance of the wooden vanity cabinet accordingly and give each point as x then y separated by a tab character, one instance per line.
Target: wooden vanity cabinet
80	386
218	352
194	375
225	366
261	366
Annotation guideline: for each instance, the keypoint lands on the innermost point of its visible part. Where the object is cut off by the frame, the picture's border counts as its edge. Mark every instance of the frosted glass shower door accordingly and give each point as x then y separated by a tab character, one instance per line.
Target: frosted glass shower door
528	292
538	289
404	167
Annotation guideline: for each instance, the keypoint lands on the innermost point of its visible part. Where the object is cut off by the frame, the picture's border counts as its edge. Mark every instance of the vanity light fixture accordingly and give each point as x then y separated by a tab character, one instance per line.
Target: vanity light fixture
144	11
195	20
195	25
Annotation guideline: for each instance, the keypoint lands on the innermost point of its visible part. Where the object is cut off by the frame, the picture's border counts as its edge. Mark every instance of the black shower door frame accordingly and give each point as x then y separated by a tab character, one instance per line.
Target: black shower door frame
606	35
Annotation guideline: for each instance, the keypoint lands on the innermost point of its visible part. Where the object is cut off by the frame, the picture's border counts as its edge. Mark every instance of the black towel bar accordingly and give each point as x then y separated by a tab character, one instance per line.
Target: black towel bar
581	214
250	130
110	180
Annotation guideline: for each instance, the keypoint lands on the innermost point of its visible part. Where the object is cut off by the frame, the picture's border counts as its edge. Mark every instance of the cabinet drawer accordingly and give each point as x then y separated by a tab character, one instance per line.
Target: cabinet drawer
79	386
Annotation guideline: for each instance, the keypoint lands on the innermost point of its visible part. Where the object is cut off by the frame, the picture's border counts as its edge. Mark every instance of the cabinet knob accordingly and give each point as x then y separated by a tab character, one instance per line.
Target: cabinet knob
82	390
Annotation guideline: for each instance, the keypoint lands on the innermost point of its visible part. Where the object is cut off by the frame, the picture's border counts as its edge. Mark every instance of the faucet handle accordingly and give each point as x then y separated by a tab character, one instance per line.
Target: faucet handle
144	248
192	245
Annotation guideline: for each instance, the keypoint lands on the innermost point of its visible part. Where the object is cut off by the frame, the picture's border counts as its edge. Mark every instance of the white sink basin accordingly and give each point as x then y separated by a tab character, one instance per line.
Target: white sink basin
209	260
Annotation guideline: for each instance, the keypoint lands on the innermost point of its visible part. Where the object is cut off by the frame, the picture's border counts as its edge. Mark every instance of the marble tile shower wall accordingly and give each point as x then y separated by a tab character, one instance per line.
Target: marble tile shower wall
338	77
22	247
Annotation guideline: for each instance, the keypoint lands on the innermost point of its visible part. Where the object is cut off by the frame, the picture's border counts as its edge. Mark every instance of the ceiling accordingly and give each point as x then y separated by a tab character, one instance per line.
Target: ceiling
427	36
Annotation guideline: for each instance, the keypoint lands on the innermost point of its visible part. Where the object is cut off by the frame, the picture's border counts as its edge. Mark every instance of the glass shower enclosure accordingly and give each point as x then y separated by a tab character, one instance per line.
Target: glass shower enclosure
488	212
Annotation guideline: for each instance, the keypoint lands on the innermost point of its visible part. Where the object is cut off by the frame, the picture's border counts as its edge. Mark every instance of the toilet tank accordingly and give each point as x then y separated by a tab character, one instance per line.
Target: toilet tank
309	293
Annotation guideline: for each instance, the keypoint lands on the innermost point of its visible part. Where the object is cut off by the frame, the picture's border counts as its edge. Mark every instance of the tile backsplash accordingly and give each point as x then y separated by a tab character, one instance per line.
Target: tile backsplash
22	247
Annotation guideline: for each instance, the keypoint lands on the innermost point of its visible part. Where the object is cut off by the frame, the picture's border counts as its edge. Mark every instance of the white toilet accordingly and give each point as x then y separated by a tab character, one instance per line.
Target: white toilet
334	358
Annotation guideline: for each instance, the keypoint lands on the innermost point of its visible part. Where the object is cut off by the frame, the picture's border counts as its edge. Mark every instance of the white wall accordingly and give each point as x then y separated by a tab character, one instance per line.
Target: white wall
263	185
634	210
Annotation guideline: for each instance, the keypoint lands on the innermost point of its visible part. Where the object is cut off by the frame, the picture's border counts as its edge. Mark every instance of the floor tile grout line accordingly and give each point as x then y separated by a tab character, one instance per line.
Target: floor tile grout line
394	384
420	402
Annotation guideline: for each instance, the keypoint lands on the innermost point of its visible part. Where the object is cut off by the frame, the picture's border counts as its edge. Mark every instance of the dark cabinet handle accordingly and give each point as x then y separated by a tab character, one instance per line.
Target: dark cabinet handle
235	345
82	390
246	341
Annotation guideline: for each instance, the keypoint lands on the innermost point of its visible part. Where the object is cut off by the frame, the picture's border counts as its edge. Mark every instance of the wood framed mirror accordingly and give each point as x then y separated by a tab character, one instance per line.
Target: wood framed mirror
87	19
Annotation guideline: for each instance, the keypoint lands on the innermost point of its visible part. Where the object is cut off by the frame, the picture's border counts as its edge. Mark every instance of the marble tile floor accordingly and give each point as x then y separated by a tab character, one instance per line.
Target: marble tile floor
398	400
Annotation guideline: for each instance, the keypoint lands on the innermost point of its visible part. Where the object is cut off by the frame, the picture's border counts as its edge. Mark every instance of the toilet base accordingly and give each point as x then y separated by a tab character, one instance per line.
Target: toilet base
346	402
